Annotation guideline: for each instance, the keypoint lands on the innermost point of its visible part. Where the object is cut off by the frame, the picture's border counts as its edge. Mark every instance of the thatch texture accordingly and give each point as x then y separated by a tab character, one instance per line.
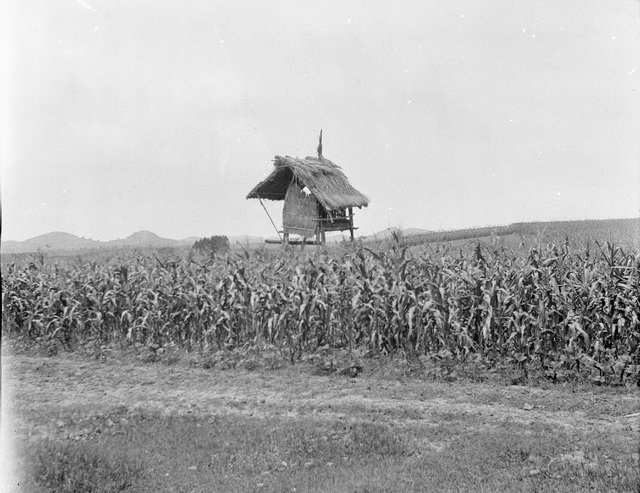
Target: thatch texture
324	179
299	212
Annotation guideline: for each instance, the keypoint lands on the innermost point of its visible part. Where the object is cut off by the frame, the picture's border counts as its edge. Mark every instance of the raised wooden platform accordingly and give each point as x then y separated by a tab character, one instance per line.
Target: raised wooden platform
291	242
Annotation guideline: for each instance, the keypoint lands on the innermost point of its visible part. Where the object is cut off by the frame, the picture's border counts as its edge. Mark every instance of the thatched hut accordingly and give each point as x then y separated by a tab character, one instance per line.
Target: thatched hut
317	196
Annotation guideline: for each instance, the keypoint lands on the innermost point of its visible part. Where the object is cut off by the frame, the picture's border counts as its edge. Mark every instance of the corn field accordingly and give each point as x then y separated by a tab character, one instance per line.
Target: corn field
549	307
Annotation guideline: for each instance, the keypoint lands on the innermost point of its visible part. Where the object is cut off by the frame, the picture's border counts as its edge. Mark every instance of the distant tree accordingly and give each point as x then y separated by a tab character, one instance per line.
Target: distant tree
214	244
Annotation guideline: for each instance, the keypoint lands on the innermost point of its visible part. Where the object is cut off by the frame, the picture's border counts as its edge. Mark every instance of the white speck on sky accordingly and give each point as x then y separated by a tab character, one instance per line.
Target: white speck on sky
119	116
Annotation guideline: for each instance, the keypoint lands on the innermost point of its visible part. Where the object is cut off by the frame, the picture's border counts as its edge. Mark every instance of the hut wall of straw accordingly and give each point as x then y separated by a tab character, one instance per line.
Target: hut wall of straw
300	211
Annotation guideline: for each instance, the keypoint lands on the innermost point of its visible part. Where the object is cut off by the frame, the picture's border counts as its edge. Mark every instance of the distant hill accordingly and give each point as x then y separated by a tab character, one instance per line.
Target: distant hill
144	239
11	246
389	232
49	241
245	240
415	231
624	233
59	241
190	240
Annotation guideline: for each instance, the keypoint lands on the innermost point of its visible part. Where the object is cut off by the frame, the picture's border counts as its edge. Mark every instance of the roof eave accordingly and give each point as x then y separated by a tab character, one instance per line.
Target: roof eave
295	166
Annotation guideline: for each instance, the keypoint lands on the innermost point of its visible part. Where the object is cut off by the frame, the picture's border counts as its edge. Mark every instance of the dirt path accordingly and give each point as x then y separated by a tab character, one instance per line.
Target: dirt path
47	387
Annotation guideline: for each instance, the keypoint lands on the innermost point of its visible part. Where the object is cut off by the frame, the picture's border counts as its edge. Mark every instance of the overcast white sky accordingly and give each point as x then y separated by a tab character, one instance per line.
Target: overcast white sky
119	116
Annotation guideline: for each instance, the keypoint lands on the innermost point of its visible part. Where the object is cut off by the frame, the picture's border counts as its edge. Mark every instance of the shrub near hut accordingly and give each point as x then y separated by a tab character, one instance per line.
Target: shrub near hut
212	245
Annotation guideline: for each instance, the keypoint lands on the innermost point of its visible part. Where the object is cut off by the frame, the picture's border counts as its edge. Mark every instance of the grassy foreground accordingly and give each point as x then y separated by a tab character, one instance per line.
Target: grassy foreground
235	453
121	425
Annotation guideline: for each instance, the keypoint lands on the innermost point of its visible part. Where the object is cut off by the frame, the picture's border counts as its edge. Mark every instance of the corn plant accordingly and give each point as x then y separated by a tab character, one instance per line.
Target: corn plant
561	310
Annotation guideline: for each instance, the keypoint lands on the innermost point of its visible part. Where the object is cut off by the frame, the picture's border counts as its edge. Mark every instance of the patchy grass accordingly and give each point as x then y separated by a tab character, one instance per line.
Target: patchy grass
453	452
73	467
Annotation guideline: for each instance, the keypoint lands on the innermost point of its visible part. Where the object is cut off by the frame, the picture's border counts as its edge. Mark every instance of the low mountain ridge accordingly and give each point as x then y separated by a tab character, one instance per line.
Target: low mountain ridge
389	232
620	232
144	238
245	240
57	241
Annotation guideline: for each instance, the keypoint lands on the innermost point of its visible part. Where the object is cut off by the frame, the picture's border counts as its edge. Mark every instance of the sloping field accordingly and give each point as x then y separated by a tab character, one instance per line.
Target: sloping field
623	233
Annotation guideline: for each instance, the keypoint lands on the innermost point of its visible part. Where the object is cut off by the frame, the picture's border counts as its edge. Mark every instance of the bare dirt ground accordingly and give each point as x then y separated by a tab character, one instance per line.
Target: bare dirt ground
39	391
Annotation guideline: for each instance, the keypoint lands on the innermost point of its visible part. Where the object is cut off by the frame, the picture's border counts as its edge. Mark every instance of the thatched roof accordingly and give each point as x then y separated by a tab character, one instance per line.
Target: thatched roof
324	179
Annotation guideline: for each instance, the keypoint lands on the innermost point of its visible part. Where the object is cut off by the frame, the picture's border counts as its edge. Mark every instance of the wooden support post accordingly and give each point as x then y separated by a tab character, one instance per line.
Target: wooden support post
351	222
285	239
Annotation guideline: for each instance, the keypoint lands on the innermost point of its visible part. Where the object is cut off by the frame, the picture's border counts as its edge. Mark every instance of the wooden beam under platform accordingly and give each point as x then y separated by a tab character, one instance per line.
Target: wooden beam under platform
290	242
